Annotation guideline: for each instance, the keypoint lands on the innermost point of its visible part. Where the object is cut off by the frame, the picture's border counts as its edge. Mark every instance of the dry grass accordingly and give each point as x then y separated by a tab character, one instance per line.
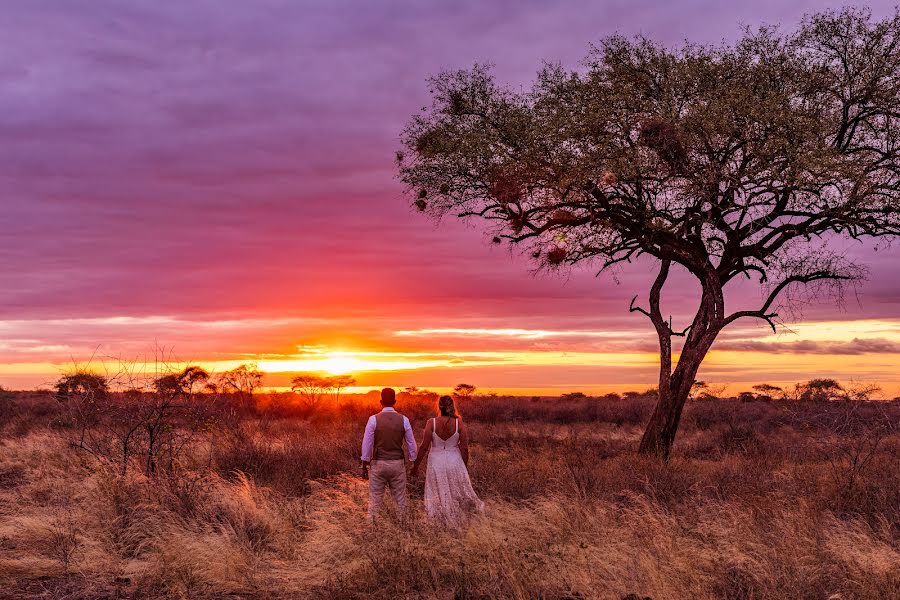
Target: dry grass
755	504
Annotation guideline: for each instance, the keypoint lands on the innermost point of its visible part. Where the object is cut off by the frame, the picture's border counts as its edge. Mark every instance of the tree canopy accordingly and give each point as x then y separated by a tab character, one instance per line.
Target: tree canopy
741	160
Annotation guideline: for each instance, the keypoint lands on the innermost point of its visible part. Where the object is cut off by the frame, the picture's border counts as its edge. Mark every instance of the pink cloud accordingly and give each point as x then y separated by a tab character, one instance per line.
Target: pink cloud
232	160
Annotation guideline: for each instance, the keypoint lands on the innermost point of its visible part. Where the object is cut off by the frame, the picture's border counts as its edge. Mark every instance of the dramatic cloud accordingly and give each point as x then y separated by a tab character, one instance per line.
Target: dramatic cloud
854	346
218	177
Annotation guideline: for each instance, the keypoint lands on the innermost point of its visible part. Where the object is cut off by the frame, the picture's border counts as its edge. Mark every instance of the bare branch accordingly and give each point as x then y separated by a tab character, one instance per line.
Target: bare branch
633	308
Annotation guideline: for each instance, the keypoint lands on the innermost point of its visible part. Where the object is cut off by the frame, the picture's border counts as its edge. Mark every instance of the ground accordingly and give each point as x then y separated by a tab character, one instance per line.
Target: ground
760	500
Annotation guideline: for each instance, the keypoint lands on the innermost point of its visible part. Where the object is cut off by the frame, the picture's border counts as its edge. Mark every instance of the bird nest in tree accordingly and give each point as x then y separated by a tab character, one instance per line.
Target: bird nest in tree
556	255
562	216
506	187
663	136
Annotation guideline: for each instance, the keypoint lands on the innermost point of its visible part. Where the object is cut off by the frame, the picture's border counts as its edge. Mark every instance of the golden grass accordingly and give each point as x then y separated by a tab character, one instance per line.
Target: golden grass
592	520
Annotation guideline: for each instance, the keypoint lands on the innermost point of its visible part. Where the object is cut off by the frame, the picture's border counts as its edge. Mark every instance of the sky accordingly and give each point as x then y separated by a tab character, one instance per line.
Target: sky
216	179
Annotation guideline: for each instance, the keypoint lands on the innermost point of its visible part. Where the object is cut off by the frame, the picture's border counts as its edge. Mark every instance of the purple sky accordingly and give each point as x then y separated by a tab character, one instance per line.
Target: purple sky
228	160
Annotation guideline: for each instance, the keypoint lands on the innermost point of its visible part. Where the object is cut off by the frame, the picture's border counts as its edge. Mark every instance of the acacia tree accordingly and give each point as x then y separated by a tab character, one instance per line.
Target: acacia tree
126	413
464	391
767	391
735	161
312	387
241	381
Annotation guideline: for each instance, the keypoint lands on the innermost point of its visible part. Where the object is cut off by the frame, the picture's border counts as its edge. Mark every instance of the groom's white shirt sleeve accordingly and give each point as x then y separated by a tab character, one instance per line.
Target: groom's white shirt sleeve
410	440
369	440
368	445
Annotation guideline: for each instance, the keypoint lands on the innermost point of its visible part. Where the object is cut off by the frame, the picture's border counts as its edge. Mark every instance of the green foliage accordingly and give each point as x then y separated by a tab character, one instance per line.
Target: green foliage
744	160
690	154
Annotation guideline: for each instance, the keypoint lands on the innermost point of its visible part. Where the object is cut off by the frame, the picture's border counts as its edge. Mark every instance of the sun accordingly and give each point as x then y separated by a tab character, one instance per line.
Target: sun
344	362
341	364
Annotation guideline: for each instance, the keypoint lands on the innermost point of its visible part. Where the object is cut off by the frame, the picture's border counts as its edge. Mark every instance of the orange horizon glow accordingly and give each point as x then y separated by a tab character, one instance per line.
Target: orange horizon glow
518	361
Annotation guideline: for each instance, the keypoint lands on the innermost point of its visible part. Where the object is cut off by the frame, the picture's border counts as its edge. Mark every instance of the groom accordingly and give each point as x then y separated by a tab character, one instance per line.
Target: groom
383	448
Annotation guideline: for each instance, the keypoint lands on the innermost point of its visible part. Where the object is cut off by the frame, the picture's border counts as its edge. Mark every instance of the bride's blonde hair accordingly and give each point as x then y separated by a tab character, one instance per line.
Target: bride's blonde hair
447	407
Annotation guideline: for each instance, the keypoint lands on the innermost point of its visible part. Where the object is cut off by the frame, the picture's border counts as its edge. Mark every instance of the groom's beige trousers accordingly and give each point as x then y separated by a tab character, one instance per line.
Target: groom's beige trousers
387	474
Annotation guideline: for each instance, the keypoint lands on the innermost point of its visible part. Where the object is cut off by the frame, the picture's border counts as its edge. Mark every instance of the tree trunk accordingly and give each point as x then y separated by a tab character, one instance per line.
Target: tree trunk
675	386
660	432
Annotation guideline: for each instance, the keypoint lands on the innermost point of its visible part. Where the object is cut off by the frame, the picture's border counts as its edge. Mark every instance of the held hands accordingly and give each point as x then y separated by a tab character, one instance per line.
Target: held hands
365	471
414	472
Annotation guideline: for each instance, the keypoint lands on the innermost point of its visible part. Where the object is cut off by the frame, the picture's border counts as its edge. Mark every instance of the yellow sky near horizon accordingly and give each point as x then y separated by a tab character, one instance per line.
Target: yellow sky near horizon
529	361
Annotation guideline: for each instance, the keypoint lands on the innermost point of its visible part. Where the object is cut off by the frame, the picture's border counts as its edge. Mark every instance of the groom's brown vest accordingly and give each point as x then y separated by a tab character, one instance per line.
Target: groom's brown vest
389	435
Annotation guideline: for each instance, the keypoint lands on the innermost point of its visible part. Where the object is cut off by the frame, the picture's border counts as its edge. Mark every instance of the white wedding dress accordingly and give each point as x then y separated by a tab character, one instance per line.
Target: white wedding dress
449	496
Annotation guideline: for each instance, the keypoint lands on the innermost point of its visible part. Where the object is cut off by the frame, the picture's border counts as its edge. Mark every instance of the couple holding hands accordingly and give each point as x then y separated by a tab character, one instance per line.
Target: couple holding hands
449	496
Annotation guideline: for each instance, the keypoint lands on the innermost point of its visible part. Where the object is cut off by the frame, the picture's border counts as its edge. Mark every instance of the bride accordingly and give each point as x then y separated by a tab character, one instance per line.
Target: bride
448	491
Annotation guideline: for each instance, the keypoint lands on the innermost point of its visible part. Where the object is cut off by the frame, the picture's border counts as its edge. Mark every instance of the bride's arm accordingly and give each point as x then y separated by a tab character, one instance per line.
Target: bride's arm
464	442
423	449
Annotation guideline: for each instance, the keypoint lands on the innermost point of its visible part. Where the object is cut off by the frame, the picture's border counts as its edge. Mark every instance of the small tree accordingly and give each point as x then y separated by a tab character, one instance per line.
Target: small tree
82	382
241	381
170	396
820	390
84	396
703	390
859	391
851	441
464	391
731	162
700	388
126	415
747	397
188	382
415	395
313	387
338	384
768	392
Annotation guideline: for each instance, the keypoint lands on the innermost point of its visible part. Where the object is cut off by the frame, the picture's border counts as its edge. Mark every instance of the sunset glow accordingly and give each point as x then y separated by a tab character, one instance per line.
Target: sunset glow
518	361
343	362
449	299
255	216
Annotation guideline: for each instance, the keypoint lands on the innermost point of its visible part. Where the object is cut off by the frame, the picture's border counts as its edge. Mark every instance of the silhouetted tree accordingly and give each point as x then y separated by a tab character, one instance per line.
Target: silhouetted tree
747	397
464	391
146	417
820	390
84	396
731	162
698	389
171	396
766	391
861	392
338	384
188	381
241	381
313	387
82	383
